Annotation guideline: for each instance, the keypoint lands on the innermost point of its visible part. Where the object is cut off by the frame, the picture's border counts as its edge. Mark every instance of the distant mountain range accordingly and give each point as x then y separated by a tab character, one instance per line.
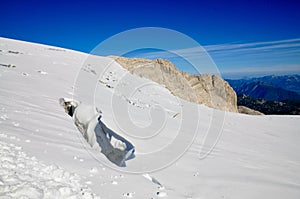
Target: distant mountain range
269	94
276	88
287	82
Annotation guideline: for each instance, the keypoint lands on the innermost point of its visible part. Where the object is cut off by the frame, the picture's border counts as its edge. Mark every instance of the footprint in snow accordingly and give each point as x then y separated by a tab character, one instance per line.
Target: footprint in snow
3	135
128	195
94	170
88	182
15	124
42	72
4	117
116	176
12	137
114	182
76	158
161	194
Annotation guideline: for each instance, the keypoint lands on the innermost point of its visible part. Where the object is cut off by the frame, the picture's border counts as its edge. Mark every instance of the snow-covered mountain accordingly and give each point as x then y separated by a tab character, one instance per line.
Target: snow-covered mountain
43	155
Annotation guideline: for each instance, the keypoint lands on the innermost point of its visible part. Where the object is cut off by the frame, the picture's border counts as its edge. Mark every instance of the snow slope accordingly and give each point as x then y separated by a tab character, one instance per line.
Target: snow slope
255	156
26	176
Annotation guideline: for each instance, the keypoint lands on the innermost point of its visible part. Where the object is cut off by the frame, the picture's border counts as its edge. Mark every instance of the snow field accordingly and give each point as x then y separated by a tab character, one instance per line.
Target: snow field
22	176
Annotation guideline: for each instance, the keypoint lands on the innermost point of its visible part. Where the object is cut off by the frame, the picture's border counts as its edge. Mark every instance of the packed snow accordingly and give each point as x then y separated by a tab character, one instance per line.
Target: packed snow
22	176
178	153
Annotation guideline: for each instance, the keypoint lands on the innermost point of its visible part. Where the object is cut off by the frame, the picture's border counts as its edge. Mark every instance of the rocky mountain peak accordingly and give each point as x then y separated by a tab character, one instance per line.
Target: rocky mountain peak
210	90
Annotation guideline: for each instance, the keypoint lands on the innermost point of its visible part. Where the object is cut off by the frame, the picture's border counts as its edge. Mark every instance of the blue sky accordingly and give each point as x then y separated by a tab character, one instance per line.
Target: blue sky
243	37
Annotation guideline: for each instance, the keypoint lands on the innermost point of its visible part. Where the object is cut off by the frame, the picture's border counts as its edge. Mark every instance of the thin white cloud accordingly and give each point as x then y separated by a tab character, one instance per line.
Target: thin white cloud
288	45
267	56
256	69
234	46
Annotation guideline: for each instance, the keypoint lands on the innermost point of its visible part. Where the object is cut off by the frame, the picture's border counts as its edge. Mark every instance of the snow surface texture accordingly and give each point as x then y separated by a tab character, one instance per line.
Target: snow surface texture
22	176
88	121
255	156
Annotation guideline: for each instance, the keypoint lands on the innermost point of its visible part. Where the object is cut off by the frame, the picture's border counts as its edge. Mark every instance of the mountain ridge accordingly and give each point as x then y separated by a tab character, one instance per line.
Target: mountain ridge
265	88
210	90
269	94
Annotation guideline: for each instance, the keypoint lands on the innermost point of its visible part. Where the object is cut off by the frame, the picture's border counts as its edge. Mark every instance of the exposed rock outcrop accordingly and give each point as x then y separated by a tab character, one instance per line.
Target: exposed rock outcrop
210	90
249	111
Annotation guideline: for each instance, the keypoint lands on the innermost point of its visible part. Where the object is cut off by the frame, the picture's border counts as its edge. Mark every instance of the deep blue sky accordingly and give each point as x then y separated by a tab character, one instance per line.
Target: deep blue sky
82	25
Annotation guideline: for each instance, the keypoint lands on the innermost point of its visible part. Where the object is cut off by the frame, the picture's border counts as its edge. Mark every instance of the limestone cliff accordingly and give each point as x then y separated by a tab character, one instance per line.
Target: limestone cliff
210	90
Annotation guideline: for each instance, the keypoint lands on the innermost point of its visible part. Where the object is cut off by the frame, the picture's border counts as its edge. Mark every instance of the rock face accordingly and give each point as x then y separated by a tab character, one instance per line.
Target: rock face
210	90
249	111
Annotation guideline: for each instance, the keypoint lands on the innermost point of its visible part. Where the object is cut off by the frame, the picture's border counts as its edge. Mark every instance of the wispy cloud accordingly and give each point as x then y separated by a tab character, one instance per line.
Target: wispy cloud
261	69
267	56
283	45
255	45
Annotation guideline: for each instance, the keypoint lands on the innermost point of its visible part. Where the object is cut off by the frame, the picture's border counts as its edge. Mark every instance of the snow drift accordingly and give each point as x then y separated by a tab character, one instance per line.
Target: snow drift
88	121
